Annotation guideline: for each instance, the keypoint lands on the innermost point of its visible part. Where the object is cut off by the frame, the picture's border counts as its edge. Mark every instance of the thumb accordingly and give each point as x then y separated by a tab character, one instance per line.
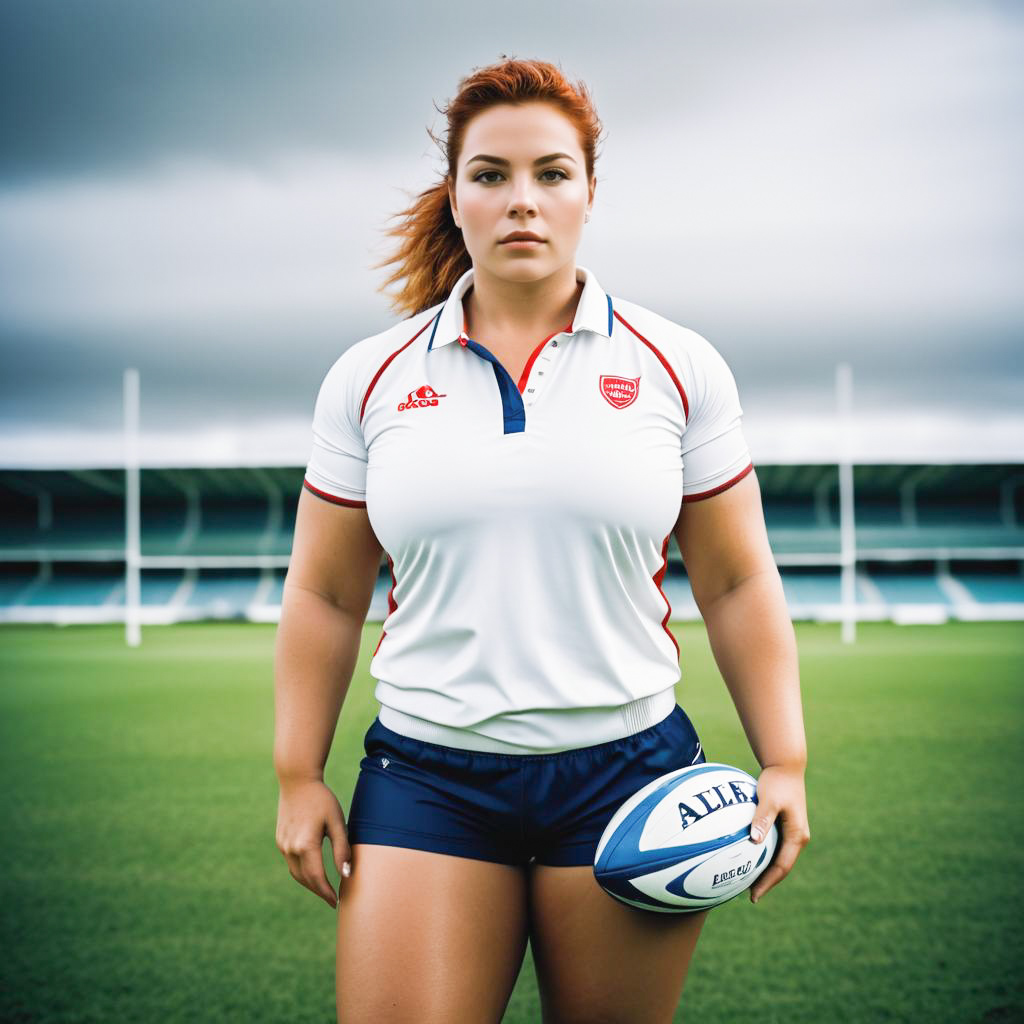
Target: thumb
340	849
764	817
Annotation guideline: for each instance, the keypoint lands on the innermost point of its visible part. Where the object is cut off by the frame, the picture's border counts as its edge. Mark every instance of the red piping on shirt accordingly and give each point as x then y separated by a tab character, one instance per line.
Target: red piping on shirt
392	604
721	487
332	497
384	366
536	352
658	577
664	362
533	355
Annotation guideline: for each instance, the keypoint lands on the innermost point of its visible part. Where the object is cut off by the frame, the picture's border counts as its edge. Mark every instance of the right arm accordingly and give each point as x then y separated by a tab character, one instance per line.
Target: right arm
327	591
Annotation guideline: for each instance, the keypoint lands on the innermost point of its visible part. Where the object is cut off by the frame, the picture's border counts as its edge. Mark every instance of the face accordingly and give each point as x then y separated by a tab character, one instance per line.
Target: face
490	199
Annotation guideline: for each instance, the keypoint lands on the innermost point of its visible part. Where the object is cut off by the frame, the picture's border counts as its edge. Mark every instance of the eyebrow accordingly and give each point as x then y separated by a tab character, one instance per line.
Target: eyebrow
536	163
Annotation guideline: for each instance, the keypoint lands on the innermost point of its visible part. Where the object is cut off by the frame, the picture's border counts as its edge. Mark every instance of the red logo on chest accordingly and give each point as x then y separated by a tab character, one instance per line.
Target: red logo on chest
421	398
620	391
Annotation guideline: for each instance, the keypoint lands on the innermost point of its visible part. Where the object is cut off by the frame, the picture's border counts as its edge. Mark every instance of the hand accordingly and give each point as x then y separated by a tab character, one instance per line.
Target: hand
780	794
306	810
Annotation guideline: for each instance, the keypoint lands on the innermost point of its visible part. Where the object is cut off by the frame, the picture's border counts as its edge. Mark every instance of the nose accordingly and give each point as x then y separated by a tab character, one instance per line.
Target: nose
522	202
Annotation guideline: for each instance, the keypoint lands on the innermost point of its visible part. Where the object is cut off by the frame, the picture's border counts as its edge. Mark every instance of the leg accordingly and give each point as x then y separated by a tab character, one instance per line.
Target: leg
428	937
601	962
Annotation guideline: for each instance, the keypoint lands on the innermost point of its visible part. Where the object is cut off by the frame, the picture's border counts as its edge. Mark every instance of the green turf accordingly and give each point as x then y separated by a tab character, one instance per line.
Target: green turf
143	882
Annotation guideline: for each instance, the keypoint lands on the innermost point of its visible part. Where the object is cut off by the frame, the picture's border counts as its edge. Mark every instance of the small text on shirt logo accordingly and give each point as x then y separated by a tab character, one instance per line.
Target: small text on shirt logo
619	391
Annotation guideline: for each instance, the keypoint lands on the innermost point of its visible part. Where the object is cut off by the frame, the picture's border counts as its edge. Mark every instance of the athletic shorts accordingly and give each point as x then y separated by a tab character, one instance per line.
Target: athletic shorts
508	808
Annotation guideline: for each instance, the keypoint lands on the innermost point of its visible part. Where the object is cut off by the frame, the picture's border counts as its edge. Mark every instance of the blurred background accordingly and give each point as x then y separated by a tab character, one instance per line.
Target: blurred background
198	192
199	189
192	195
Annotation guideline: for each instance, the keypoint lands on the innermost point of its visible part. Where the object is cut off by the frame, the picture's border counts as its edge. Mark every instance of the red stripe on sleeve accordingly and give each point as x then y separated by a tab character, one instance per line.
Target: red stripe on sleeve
721	487
333	498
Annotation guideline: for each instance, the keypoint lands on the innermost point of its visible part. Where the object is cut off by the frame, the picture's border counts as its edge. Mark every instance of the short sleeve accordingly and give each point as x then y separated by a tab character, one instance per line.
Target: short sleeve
714	450
336	470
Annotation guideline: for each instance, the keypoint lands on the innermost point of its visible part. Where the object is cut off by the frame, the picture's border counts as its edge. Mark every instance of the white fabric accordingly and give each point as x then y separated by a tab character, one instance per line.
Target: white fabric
527	562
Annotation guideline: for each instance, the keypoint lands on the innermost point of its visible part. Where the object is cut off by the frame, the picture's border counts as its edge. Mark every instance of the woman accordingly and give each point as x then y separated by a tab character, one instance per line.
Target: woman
522	448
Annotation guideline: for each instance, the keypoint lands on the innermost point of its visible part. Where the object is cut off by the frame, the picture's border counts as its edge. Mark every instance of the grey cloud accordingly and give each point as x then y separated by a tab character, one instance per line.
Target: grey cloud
121	84
116	84
198	189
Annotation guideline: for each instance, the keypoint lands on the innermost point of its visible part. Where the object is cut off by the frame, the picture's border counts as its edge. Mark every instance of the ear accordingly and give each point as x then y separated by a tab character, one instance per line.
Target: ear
451	201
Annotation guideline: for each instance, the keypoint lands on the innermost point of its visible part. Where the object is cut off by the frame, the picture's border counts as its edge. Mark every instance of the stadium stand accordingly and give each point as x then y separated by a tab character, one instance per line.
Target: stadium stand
933	542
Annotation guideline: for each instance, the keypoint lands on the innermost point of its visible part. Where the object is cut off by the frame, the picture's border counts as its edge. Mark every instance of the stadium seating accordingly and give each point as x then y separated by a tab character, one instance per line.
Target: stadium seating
932	542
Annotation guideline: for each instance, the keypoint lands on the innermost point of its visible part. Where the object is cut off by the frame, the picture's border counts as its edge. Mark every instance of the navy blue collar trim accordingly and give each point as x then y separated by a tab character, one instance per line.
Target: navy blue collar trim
437	320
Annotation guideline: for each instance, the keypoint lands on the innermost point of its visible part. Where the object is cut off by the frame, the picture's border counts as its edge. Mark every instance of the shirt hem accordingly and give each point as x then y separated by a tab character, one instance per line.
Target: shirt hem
571	727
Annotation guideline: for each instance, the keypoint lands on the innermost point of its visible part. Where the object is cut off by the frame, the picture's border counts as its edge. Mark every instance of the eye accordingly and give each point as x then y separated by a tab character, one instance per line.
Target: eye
550	170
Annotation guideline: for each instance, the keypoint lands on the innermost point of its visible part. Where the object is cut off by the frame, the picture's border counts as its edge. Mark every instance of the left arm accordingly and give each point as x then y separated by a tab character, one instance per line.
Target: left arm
738	591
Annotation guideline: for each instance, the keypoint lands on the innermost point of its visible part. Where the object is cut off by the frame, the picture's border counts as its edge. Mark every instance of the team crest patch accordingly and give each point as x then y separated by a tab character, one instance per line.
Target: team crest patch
421	398
619	391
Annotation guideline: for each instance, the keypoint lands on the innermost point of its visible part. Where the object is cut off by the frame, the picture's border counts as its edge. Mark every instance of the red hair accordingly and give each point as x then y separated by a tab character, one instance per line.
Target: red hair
431	255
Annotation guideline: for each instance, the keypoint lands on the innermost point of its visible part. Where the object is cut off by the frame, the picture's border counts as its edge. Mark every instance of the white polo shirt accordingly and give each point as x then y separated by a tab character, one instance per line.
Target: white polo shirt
527	522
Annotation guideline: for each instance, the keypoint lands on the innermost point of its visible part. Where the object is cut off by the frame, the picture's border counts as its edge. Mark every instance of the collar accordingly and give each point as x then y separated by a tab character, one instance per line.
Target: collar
593	311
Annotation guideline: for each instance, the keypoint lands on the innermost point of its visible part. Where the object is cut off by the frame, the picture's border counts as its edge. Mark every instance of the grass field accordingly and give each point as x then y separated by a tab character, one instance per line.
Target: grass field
142	881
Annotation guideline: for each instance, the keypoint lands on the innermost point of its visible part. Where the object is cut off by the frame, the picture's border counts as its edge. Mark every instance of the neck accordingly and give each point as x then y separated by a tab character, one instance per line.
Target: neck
522	308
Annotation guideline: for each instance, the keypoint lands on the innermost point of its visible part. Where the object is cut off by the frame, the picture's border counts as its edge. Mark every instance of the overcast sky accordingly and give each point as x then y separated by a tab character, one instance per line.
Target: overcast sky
199	189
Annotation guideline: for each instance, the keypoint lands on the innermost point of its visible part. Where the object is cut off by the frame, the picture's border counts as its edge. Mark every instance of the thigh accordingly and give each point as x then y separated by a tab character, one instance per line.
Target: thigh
428	937
598	960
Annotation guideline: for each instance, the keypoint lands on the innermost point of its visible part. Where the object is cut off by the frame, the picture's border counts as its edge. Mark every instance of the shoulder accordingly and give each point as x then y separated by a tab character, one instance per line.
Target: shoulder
697	367
359	363
661	333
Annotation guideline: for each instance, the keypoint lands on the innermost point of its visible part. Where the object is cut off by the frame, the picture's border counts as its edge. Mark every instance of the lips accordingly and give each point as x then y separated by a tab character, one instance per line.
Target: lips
521	236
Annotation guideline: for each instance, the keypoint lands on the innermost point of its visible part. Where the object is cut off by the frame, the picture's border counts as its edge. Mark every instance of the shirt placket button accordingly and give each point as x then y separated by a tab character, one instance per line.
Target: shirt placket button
542	362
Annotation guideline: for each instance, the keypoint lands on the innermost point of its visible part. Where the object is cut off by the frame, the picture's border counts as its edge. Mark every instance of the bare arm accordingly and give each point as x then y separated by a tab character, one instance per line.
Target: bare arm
327	591
738	590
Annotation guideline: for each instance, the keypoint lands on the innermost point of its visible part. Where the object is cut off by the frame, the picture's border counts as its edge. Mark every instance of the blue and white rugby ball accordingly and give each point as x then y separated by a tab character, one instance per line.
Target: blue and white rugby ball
682	843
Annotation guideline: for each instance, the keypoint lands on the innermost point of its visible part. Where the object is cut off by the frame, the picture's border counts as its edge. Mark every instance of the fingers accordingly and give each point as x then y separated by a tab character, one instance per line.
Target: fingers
762	823
794	839
311	862
339	845
780	801
301	831
306	866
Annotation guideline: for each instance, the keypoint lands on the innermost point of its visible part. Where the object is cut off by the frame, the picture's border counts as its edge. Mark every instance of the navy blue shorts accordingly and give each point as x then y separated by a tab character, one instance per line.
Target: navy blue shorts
508	808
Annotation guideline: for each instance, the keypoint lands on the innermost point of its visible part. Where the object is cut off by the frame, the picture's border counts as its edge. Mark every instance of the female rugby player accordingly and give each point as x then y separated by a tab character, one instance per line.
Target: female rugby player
522	447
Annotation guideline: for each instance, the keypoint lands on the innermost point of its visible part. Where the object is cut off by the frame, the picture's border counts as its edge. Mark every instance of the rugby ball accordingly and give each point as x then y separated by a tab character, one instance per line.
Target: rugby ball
682	843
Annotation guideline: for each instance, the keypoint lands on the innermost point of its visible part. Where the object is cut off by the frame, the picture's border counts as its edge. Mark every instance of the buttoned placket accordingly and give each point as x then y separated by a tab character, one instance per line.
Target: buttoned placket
541	368
514	401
